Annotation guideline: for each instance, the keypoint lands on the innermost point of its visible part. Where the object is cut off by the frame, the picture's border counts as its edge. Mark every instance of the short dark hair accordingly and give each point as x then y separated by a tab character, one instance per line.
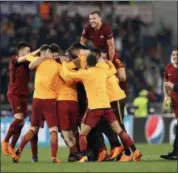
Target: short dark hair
95	52
77	45
44	47
21	45
54	48
96	12
175	49
91	60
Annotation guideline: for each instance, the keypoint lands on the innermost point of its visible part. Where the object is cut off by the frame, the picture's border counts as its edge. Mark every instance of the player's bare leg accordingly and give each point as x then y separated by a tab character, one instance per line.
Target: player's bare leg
126	140
27	138
14	131
85	129
70	141
54	144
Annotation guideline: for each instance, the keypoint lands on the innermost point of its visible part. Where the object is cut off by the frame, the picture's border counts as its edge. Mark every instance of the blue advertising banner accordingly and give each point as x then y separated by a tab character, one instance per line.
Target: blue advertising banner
43	135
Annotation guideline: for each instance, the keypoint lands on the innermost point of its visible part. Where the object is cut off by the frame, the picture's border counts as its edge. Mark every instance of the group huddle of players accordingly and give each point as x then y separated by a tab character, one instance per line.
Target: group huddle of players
71	91
80	89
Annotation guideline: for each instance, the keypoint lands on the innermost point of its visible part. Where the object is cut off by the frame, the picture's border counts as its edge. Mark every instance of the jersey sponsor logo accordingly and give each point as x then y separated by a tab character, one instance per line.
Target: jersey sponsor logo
154	129
101	36
169	74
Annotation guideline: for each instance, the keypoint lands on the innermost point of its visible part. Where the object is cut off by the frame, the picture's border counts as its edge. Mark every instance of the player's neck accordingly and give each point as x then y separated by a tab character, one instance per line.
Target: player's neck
175	65
99	26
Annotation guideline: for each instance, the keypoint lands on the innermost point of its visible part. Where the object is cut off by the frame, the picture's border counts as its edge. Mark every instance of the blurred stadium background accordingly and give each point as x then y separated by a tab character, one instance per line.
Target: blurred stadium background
144	33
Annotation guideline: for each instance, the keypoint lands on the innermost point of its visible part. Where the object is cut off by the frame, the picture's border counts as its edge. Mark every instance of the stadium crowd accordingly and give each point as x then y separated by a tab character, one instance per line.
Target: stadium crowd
143	55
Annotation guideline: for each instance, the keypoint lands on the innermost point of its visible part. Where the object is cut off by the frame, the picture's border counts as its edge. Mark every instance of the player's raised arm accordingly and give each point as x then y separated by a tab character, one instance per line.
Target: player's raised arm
43	56
165	90
84	36
78	75
112	70
24	58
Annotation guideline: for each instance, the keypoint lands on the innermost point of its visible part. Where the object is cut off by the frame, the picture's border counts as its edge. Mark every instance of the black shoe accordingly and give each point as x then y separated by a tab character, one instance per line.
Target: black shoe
170	156
34	159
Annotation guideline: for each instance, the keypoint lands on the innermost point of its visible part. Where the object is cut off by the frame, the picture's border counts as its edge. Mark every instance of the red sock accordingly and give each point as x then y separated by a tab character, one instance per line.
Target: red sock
73	149
16	137
54	144
13	129
27	138
34	146
83	142
126	140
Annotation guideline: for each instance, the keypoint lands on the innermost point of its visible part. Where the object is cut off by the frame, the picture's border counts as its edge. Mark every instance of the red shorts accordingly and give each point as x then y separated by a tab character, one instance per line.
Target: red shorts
18	104
44	109
174	104
68	114
92	117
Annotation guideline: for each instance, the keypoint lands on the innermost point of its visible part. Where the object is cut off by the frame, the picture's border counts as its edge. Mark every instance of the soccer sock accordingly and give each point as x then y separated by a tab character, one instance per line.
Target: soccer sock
34	145
54	144
83	142
16	136
13	129
175	150
73	149
27	138
126	140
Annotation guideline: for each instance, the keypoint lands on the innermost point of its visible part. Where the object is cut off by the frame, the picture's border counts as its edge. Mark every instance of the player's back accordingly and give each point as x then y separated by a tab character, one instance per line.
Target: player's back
95	86
46	79
19	78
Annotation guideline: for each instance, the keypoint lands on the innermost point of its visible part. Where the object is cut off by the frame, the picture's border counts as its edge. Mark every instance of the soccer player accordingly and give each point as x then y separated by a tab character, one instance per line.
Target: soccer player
171	75
98	103
17	95
68	110
44	99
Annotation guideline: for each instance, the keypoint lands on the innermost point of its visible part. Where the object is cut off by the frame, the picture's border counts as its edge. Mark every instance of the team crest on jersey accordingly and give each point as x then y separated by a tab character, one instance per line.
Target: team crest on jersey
101	36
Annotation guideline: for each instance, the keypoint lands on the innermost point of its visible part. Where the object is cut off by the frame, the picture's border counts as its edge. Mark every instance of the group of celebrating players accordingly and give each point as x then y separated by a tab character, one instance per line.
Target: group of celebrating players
84	88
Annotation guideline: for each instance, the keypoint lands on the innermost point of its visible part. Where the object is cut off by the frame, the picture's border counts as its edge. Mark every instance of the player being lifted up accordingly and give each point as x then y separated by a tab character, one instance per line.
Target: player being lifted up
44	98
98	103
17	95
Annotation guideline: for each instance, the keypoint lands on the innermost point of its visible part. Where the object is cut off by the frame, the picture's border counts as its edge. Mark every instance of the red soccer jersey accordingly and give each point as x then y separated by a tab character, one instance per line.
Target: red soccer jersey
19	78
171	74
98	37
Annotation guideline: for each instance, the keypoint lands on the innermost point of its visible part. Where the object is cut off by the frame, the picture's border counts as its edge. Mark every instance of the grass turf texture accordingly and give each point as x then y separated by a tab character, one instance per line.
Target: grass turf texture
150	162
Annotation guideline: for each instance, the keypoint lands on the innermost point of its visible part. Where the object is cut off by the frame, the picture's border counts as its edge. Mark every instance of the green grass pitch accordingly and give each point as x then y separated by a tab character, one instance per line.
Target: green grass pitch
150	162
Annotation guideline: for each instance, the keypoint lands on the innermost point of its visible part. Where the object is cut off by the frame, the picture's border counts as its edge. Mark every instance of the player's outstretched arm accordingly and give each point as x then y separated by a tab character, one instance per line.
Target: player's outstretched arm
24	58
36	62
112	70
78	75
111	48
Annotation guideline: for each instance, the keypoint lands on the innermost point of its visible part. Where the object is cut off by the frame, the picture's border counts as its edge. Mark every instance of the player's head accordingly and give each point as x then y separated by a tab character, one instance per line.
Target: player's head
91	60
95	52
43	49
95	19
77	49
23	49
55	50
174	56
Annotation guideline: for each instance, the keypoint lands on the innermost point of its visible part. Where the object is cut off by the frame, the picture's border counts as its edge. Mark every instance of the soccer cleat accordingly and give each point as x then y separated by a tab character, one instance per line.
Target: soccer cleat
5	148
125	158
55	160
102	155
170	156
15	157
83	159
115	153
34	159
137	155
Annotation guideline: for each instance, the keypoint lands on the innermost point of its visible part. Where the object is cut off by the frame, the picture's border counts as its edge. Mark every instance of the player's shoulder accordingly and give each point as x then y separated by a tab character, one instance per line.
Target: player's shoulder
87	27
106	26
168	66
